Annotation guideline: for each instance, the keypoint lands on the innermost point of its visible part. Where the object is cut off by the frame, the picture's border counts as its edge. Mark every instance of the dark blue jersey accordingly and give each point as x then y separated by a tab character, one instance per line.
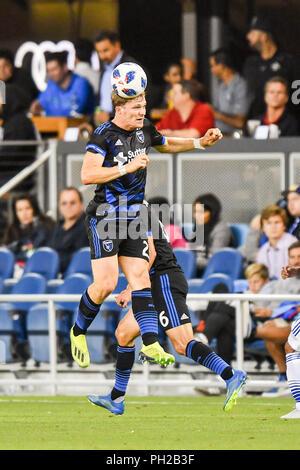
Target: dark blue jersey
119	147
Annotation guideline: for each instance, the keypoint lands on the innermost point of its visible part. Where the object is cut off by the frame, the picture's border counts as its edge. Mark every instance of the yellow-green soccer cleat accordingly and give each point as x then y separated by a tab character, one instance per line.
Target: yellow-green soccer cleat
155	354
79	349
234	385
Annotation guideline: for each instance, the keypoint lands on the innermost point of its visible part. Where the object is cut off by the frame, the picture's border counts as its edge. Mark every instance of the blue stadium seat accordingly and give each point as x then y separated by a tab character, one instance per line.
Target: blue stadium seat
7	262
31	283
226	261
80	263
240	285
239	232
6	330
203	286
187	261
44	261
73	284
38	332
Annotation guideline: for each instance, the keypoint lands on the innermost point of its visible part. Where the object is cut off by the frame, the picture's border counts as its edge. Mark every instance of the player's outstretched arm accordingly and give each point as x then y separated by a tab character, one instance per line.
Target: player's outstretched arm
93	171
181	144
290	271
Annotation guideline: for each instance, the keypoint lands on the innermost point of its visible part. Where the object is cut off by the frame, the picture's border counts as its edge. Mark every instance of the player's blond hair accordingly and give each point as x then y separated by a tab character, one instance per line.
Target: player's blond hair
119	101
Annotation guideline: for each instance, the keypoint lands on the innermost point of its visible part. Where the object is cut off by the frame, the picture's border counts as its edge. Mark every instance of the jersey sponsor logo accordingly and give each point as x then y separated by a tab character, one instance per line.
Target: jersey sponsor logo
140	136
122	159
108	245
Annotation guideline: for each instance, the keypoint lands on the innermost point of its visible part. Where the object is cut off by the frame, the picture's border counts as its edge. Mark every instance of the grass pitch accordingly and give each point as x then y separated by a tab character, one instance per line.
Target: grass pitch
149	423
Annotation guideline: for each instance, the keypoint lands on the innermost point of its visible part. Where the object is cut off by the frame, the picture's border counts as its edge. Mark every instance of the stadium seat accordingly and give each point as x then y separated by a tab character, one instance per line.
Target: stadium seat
44	261
38	332
31	283
80	263
208	284
239	232
226	261
7	262
187	261
74	284
240	285
5	334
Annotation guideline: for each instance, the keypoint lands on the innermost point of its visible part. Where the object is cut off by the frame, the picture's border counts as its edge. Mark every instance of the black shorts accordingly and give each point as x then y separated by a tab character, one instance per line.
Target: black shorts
110	237
169	291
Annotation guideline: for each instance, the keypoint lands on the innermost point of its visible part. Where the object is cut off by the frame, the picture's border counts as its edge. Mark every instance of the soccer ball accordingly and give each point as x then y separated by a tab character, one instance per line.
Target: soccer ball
128	80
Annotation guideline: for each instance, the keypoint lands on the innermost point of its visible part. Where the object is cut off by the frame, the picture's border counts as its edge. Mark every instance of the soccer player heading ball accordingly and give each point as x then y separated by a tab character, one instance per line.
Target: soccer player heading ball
116	160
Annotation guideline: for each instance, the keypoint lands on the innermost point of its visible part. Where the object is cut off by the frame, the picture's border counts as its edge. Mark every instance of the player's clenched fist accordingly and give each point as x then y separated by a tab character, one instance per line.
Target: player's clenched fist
140	161
211	137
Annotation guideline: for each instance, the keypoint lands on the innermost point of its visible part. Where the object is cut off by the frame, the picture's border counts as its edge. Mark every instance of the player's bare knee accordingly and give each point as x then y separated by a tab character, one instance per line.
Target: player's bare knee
100	290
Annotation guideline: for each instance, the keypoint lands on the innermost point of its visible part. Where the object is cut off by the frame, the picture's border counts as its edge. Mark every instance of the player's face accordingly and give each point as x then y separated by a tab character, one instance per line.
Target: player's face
276	95
132	113
293	204
56	72
6	70
256	282
70	205
273	227
294	257
24	211
174	75
107	51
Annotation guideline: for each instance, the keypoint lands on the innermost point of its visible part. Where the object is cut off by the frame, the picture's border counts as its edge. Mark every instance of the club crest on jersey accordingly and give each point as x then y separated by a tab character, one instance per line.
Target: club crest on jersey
140	136
108	245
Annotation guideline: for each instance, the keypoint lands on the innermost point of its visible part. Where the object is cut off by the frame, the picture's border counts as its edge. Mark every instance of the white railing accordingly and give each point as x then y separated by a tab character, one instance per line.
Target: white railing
241	302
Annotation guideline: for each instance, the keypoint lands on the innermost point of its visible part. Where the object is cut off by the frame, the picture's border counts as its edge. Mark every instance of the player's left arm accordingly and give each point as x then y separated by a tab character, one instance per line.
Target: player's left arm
181	144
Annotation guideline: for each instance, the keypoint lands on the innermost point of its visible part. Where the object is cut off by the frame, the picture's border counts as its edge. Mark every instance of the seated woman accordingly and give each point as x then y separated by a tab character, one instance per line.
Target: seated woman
30	229
216	234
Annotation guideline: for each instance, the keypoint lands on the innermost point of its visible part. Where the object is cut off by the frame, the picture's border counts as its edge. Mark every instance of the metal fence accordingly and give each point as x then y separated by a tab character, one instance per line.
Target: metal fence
145	380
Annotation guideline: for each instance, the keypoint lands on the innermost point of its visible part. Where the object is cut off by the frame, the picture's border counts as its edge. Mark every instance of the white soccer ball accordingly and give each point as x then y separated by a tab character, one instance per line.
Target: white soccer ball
128	80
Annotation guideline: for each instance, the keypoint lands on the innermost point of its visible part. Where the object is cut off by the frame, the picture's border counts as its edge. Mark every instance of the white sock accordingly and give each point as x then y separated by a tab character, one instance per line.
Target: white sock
293	375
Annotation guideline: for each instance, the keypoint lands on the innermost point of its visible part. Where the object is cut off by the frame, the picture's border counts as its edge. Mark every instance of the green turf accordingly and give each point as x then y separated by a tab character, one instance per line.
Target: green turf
155	423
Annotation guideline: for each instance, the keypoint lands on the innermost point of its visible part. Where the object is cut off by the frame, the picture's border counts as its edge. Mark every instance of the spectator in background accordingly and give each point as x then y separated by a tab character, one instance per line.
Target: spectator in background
190	117
172	75
69	234
83	53
277	113
268	62
274	253
231	102
207	211
18	76
30	229
292	196
218	320
161	206
189	67
67	94
16	126
108	46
